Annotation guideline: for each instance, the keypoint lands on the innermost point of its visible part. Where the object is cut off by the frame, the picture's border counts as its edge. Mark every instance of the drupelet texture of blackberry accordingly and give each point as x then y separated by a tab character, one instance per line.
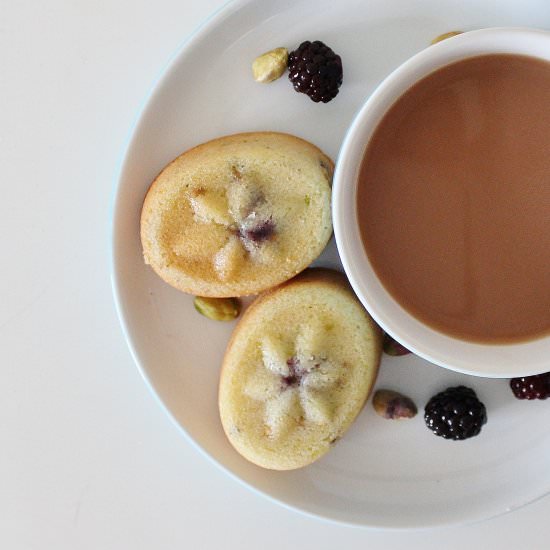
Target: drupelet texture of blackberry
455	413
315	70
531	387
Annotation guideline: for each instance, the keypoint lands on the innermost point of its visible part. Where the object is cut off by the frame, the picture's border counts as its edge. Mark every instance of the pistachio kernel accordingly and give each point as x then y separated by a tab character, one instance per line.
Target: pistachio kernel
270	65
218	309
444	36
393	405
393	347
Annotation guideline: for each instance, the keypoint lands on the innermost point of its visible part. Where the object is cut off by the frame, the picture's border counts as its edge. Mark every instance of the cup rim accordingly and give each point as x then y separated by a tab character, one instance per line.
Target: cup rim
492	360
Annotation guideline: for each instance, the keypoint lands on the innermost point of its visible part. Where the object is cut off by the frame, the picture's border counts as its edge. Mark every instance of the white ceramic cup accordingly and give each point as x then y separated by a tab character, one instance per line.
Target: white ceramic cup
491	360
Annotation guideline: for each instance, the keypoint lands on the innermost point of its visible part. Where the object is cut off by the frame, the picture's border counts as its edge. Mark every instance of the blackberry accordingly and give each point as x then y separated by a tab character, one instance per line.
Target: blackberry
315	70
531	387
455	413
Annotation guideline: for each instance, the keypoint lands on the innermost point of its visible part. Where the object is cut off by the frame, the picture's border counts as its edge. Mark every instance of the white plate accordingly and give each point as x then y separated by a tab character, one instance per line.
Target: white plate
382	473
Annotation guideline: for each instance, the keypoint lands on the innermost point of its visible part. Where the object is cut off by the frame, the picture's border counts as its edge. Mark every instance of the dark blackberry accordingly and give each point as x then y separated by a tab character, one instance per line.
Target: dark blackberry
531	387
455	413
315	70
262	231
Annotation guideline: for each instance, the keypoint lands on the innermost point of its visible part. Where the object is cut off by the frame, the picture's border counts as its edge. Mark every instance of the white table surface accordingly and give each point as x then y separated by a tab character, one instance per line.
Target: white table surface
88	459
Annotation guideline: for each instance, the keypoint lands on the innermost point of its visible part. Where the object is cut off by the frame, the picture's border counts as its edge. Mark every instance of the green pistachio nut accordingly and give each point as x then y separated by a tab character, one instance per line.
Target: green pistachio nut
444	36
393	347
270	65
218	309
393	405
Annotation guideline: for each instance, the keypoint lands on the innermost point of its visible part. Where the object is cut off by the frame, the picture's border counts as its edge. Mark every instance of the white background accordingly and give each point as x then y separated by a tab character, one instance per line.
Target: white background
88	460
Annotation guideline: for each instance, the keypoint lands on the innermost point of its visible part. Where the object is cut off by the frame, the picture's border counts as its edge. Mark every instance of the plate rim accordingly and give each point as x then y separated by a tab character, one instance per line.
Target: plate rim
186	47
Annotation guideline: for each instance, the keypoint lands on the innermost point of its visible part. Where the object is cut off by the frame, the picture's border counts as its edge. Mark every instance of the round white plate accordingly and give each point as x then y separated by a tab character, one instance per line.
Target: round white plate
382	473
